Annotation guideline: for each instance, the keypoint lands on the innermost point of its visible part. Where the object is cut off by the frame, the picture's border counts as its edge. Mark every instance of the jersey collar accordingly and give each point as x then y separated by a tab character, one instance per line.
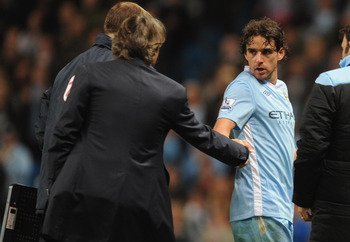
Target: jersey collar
345	61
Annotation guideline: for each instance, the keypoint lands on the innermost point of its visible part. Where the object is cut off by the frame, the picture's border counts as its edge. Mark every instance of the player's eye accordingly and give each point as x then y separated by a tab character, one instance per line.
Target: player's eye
251	51
267	51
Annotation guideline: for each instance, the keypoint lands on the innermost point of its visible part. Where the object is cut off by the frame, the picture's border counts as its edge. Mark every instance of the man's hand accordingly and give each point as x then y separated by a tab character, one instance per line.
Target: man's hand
245	143
305	213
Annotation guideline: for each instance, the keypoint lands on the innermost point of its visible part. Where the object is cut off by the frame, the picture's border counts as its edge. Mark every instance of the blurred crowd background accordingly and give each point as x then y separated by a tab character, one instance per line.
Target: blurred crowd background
39	37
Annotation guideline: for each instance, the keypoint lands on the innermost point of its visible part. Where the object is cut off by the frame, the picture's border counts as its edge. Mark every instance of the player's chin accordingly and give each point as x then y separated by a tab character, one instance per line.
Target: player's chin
260	76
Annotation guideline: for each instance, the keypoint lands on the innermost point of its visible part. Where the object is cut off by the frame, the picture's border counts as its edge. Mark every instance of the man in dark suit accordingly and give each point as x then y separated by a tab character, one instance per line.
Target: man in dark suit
107	177
54	98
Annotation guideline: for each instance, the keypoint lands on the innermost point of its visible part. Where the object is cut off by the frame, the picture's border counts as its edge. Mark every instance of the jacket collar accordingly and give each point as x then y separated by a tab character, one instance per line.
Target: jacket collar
104	41
140	62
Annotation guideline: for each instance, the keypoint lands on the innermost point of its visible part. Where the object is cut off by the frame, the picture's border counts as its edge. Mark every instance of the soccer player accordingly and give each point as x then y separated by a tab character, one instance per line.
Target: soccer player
256	107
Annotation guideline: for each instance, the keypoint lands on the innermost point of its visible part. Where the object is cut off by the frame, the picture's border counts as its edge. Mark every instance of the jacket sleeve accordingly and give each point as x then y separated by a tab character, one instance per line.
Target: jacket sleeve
209	141
68	127
40	123
315	132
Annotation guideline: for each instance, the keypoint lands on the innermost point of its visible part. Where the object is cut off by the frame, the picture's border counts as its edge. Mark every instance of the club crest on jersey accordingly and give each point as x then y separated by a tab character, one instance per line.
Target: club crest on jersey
227	104
285	93
69	86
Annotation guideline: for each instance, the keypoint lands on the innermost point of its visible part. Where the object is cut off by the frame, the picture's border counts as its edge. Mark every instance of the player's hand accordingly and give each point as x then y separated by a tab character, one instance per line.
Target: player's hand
305	213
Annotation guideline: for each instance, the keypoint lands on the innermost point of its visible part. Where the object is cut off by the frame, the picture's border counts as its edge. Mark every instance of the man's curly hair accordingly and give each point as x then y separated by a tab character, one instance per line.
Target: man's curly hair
267	28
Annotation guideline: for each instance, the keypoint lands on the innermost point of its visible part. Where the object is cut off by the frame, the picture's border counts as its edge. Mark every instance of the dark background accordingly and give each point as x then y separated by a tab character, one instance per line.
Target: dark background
37	38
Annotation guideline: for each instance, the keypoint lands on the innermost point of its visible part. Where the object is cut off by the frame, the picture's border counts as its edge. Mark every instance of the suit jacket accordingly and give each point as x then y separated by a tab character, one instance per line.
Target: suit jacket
52	103
106	155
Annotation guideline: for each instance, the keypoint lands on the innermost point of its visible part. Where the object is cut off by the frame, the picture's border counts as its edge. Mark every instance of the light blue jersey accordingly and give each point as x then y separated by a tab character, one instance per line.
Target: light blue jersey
264	117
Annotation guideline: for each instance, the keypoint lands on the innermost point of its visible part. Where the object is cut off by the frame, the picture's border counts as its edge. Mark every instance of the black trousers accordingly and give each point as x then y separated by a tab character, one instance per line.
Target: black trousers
330	222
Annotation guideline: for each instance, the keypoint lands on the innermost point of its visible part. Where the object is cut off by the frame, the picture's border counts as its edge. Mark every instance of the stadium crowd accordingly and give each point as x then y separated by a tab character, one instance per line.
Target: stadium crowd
37	38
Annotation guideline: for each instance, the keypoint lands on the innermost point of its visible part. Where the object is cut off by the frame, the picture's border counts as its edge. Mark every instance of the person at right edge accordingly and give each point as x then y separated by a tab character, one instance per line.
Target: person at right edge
322	169
257	109
107	179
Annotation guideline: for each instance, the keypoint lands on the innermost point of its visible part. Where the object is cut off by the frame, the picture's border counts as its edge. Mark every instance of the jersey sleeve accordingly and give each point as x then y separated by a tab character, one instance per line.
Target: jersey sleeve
238	104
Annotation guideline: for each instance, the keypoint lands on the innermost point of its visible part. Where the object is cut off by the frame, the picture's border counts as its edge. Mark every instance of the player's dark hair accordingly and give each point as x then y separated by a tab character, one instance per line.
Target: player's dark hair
267	28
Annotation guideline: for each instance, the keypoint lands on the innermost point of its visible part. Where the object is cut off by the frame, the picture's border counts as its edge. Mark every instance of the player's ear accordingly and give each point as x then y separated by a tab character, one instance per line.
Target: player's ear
281	53
245	56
